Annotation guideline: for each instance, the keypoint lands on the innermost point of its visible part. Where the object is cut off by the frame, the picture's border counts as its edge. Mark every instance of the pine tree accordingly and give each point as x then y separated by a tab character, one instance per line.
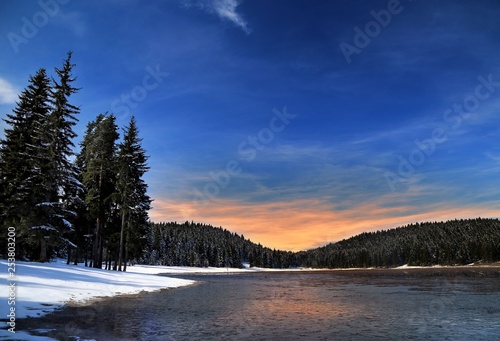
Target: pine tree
134	201
21	166
67	188
58	175
97	160
83	228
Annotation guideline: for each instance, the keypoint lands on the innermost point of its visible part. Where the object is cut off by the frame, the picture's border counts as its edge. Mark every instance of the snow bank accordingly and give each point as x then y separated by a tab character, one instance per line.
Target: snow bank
184	270
406	266
43	287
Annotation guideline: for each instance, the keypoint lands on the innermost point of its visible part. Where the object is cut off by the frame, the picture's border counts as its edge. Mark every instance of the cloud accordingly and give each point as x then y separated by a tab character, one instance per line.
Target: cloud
224	9
492	156
8	93
74	21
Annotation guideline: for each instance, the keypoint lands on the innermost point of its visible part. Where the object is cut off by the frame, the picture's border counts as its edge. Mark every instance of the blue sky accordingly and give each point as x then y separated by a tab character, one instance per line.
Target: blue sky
293	122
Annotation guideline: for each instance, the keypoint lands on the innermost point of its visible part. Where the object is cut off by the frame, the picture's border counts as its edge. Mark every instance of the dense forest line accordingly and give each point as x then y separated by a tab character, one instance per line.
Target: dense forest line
195	244
455	242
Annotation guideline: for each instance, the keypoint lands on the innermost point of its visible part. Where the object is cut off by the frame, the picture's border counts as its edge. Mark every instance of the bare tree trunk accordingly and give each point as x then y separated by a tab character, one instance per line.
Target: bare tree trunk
75	260
97	243
106	257
101	248
86	241
122	241
126	258
43	250
69	255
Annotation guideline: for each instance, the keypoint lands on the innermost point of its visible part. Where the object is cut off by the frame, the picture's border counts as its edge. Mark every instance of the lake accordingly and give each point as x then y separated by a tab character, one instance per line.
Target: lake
403	304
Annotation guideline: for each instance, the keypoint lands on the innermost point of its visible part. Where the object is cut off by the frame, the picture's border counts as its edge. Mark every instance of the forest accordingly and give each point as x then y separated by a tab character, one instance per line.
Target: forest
91	205
195	244
455	242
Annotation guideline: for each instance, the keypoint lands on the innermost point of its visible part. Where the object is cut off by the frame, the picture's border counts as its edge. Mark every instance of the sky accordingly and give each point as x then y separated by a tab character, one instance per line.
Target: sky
295	123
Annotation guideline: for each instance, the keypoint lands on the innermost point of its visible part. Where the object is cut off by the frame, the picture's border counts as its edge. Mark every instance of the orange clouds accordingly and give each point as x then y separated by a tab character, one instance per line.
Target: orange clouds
306	223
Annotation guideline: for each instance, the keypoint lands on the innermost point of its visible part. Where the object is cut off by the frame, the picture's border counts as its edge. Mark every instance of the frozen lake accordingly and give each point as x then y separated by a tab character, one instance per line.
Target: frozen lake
410	304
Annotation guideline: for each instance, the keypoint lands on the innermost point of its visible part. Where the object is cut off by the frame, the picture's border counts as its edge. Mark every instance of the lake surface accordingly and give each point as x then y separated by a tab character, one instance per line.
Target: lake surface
413	304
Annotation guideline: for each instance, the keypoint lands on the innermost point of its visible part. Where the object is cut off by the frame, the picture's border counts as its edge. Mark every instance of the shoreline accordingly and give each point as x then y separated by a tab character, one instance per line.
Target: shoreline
472	270
42	287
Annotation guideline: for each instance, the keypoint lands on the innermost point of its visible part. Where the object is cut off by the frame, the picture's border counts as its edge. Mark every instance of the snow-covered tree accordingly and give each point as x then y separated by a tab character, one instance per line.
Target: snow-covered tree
38	180
22	164
58	175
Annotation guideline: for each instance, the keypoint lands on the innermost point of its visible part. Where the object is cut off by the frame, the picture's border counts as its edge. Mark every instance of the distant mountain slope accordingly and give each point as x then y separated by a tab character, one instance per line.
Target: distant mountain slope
455	242
195	244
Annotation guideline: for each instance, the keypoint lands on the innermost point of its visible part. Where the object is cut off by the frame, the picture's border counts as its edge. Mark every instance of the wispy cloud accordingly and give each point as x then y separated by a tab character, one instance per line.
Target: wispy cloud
224	9
74	21
492	156
8	93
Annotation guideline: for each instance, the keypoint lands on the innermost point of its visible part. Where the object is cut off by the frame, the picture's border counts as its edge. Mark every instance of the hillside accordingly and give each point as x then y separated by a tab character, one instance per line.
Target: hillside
195	244
456	242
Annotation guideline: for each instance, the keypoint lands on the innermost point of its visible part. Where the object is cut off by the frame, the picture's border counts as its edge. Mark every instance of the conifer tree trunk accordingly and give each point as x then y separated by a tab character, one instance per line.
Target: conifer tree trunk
75	259
122	241
97	243
126	258
43	250
69	255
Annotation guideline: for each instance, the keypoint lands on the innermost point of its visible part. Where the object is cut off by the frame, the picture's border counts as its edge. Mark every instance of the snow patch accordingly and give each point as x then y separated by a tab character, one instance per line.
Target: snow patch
44	287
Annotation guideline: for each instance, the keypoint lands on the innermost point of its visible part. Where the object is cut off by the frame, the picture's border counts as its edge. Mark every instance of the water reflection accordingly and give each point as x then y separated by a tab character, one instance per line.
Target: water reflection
308	306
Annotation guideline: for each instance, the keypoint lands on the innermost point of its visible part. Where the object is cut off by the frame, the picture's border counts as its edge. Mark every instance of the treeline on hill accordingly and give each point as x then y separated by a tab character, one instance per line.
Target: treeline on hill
456	242
91	205
194	244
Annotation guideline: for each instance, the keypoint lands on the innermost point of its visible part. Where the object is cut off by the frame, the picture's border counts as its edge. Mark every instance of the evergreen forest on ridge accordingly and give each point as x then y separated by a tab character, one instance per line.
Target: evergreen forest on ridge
455	242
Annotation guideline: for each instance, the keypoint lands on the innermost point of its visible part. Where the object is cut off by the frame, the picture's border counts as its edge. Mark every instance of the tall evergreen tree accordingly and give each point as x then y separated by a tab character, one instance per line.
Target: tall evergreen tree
58	175
134	201
37	178
61	122
22	165
84	225
99	176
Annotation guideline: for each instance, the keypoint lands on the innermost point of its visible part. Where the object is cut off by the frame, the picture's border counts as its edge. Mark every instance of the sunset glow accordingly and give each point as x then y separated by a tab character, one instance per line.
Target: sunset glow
305	224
